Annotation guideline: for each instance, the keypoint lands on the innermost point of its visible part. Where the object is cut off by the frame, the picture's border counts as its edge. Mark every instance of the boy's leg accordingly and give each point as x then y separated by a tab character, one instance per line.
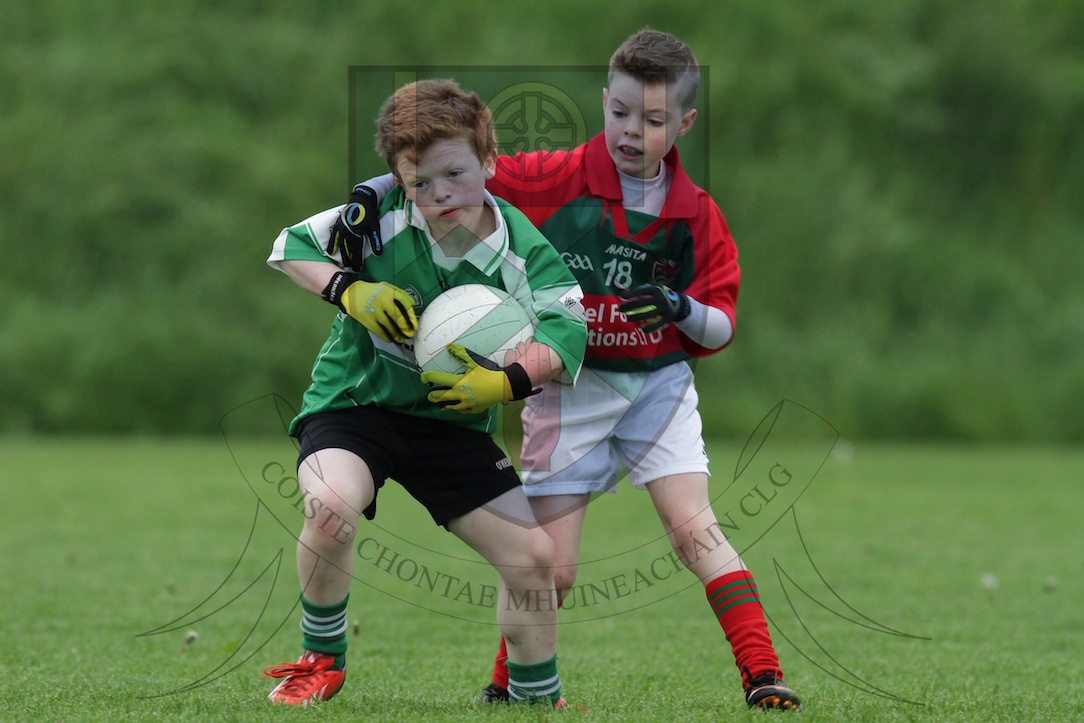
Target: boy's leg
522	554
562	517
685	511
336	486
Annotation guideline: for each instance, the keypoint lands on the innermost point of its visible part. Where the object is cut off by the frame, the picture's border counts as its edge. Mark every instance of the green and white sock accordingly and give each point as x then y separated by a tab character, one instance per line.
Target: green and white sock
536	683
323	629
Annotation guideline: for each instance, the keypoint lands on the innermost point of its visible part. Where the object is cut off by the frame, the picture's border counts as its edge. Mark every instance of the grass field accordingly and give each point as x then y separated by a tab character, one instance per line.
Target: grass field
907	583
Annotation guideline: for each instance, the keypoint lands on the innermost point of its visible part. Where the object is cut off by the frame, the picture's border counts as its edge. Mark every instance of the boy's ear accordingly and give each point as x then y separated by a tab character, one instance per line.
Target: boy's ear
489	165
687	121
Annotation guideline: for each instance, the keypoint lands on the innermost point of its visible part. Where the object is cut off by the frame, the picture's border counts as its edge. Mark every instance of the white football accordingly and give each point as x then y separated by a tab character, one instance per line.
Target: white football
482	318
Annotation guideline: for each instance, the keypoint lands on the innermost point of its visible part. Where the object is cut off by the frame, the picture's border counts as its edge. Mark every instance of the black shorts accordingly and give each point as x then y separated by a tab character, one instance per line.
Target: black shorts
449	469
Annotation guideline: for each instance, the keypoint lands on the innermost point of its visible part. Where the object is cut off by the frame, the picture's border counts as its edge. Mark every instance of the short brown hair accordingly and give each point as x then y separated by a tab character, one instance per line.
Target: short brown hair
421	113
652	56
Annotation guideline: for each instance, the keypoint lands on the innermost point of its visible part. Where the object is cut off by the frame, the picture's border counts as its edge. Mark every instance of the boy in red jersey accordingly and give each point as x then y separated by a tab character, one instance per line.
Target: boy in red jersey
660	277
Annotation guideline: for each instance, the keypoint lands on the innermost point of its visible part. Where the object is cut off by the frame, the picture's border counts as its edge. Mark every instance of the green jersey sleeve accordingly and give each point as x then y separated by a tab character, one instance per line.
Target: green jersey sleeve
305	241
543	285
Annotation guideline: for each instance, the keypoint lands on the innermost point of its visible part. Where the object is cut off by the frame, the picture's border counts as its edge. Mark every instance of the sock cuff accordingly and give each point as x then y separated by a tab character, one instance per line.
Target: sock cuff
729	579
533	672
324	611
728	591
535	681
323	627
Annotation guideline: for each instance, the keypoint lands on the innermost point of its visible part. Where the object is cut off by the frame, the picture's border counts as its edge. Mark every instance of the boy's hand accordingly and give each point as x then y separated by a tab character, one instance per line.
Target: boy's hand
484	384
358	223
383	309
653	306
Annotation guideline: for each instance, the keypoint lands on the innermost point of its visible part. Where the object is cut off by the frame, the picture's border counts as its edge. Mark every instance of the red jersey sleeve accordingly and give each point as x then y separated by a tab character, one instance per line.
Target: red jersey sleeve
540	182
718	276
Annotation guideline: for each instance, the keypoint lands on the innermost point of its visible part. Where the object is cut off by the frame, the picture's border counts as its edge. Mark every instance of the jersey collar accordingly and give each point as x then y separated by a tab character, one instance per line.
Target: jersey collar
602	180
485	256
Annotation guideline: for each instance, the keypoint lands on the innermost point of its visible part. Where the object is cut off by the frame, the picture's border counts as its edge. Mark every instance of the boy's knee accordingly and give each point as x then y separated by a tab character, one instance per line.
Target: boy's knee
682	523
564	577
686	520
540	550
333	524
533	566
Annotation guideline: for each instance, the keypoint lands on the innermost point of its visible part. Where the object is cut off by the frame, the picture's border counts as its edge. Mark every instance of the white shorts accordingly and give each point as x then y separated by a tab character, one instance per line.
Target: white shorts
580	440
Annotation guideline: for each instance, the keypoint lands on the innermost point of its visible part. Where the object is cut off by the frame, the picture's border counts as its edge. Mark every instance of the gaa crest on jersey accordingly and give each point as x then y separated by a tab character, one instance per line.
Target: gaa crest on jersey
665	271
575	305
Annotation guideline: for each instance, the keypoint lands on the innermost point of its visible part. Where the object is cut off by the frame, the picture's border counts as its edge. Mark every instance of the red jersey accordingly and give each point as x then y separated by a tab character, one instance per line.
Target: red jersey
574	197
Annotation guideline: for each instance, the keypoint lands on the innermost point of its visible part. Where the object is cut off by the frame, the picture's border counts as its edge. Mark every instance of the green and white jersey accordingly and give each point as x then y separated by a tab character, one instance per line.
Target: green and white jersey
356	368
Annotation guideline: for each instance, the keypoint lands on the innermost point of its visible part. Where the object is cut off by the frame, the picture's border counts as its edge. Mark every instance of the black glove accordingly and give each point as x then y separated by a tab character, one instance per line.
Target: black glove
654	306
358	222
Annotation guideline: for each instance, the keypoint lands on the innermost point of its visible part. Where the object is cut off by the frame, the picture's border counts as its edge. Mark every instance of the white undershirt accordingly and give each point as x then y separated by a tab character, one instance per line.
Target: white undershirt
706	325
645	195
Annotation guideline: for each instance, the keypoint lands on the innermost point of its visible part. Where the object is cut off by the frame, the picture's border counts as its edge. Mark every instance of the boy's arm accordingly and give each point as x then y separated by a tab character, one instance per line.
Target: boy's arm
709	324
312	276
385	310
382	185
486	383
379	186
653	306
358	222
706	325
541	362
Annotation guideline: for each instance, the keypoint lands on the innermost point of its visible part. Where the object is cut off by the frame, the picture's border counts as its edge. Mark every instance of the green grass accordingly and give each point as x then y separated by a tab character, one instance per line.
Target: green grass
105	539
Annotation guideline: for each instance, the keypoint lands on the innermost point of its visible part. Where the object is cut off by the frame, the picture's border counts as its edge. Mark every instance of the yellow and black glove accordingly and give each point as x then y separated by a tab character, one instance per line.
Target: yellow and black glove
380	307
483	385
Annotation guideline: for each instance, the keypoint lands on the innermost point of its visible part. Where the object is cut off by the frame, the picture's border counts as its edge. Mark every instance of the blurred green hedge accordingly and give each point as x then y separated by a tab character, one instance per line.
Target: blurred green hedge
900	178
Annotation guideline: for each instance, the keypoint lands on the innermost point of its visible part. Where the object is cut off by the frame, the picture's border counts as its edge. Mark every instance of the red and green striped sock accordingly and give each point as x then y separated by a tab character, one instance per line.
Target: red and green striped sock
736	603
